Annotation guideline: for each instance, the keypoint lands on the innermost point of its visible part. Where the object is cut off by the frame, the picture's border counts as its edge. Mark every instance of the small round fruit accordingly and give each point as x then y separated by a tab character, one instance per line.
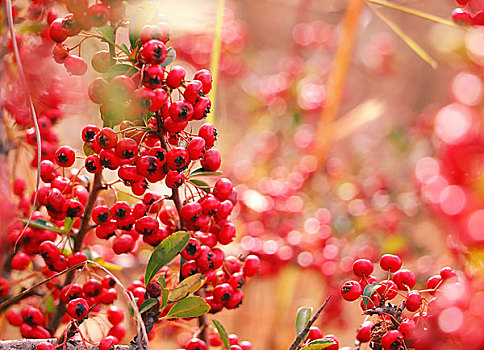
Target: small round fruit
78	308
351	290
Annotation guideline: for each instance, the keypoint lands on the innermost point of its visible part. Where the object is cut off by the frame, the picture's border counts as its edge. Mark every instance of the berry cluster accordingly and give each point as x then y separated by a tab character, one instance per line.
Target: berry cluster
393	327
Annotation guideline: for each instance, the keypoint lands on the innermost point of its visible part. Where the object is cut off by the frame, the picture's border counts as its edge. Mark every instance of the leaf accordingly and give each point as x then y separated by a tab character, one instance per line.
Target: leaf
201	184
42	224
187	286
170	57
203	172
131	310
189	307
319	344
147	304
165	252
409	41
125	49
162	281
68	222
120	69
107	33
164	296
369	290
223	334
49	304
88	151
143	15
302	318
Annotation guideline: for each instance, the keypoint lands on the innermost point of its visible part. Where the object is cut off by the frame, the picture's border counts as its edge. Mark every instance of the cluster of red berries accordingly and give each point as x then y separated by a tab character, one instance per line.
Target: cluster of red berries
470	13
82	16
394	326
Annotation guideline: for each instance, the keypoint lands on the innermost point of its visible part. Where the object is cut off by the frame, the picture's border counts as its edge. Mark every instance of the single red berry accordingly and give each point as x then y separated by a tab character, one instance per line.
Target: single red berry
251	265
193	91
195	344
196	148
107	343
208	133
93	164
235	300
413	301
406	328
120	210
98	15
101	214
45	346
364	332
106	138
92	288
462	16
100	61
118	331
314	333
175	77
88	132
75	65
433	282
115	315
222	189
447	273
77	308
76	258
211	160
174	179
73	208
97	91
123	244
201	108
404	279
389	262
32	316
388	290
153	76
351	290
246	345
177	158
205	78
70	292
154	52
109	159
362	267
49	251
20	261
65	156
392	340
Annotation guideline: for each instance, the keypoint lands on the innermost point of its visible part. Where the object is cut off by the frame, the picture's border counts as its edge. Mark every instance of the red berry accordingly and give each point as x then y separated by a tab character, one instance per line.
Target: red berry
362	267
100	61
404	278
406	328
447	273
88	133
123	244
78	308
154	52
177	158
251	265
20	261
462	16
92	287
65	156
75	65
364	332
389	262
314	333
175	77
208	133
351	290
413	301
106	138
195	344
115	315
211	160
45	346
205	78
392	340
93	164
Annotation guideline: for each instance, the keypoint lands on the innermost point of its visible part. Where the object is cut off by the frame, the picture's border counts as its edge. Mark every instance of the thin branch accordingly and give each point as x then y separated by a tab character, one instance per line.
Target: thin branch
305	331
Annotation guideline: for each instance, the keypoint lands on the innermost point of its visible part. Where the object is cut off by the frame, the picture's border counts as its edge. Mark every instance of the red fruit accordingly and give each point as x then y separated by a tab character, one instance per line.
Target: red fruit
14	318
222	293
193	91
109	159
447	273
154	52
106	138
49	251
107	343
351	290
123	244
20	261
77	308
235	300
88	132
92	288
98	15
177	158
73	208
60	52
75	65
108	282
76	258
195	344
101	61
153	76
57	32
389	262
392	340
462	16
65	156
93	164
314	333
118	331
175	77
120	210
101	214
97	91
181	111
406	328
222	189
208	133
211	160
45	346
174	179
246	345
47	171
413	301
433	282
196	148
226	233
205	78
367	280
32	316
388	290
478	18
147	225
70	292
362	267
201	108
115	315
404	278
251	265
364	332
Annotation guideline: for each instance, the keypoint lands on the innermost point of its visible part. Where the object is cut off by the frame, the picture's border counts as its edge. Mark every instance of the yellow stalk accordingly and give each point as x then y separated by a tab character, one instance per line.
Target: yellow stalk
215	58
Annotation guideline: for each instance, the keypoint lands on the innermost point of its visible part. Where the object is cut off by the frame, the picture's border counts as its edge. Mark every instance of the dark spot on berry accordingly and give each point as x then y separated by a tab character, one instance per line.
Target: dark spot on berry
62	158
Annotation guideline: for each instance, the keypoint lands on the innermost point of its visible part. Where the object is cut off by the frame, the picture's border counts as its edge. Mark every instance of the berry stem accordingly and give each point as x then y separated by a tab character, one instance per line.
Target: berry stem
302	334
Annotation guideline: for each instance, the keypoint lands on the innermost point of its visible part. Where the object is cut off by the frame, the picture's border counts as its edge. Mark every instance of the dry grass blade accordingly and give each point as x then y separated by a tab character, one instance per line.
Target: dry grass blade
409	41
417	13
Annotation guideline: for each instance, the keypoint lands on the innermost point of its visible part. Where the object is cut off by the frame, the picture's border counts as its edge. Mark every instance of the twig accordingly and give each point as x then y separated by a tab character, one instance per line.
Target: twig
303	333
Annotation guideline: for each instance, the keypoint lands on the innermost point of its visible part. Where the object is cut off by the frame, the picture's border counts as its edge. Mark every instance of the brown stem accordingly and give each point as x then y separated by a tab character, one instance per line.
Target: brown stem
175	197
28	344
302	334
78	239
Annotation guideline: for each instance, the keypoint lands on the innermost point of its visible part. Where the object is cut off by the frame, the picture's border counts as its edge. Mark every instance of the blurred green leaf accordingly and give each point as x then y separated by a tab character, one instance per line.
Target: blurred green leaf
369	290
147	304
106	32
319	344
201	184
302	318
223	334
188	285
42	224
171	55
142	15
189	307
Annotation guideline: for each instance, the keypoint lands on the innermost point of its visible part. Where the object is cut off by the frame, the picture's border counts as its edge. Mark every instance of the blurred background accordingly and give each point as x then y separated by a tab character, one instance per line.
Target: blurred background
402	168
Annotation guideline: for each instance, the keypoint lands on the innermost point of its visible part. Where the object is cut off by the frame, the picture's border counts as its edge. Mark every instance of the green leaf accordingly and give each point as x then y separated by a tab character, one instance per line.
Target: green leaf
189	307
120	69
68	222
188	285
201	184
49	304
223	334
143	15
409	41
131	310
165	252
164	296
87	149
170	57
106	264
203	172
106	32
302	318
125	49
369	290
147	304
42	224
162	281
319	344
